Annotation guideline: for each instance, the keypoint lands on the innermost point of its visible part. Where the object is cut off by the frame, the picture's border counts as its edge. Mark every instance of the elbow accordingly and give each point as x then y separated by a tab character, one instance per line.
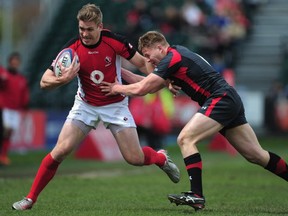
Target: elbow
42	85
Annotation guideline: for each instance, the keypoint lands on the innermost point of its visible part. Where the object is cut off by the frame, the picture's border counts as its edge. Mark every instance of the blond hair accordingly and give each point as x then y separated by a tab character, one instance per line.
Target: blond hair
150	39
90	13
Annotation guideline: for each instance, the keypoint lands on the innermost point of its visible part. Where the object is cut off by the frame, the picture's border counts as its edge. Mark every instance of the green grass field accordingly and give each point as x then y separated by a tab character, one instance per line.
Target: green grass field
232	186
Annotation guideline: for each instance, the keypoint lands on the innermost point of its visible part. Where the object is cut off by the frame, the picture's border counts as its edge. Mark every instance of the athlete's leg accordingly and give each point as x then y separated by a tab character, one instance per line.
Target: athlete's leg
129	145
128	142
70	136
246	143
197	129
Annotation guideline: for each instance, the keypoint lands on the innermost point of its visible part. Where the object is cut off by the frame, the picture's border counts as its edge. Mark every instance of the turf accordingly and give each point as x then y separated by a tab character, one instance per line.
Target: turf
231	186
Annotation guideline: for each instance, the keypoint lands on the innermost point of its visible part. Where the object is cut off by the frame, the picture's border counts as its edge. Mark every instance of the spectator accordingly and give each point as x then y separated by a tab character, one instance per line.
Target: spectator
17	88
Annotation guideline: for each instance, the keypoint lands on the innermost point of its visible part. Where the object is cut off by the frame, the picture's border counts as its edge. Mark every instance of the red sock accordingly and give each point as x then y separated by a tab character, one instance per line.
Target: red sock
46	171
152	157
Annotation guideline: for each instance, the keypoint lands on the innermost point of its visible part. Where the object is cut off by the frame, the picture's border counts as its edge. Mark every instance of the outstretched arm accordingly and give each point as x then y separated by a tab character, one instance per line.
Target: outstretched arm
149	84
130	77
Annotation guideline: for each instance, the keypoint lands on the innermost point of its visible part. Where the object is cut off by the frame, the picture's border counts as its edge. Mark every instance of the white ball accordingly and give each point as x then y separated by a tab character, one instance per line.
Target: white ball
65	57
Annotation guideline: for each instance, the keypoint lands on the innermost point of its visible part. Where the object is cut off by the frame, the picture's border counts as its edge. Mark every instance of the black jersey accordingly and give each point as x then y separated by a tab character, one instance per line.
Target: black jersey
192	73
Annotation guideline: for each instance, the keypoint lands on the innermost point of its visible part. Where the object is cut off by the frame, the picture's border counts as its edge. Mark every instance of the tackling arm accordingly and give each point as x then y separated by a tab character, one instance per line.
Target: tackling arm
149	84
130	77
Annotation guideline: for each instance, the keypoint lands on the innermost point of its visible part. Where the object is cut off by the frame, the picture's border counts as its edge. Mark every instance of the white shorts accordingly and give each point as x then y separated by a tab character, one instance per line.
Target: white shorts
11	118
116	113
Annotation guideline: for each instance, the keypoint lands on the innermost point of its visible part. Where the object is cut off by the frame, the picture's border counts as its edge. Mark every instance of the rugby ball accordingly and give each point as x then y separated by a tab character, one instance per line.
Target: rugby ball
65	58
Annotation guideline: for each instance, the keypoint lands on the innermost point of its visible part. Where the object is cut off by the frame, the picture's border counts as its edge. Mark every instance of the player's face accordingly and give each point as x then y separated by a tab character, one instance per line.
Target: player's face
89	32
154	54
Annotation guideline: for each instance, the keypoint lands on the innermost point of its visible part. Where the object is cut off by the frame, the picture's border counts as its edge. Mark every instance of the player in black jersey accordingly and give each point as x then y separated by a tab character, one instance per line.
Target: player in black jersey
221	110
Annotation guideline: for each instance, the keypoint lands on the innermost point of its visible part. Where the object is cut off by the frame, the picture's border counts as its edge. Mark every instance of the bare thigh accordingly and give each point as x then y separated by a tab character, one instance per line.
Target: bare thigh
69	137
246	143
197	129
129	145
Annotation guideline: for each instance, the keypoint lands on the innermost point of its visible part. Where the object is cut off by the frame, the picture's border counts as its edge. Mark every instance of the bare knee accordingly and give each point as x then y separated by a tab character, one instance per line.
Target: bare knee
184	140
59	153
187	144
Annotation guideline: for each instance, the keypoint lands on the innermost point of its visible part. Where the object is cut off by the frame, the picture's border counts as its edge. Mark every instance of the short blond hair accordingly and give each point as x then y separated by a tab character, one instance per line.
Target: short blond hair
90	13
150	39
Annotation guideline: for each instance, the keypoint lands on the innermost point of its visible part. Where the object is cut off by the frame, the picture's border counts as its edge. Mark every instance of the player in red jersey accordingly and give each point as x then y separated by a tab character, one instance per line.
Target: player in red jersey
221	110
99	53
16	86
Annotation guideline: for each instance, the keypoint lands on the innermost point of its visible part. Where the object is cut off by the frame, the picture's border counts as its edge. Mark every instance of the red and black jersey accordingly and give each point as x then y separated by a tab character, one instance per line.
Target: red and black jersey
192	73
100	62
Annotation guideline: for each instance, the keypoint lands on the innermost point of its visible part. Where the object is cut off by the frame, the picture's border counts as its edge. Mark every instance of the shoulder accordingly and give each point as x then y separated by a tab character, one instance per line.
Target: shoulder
112	35
173	56
119	43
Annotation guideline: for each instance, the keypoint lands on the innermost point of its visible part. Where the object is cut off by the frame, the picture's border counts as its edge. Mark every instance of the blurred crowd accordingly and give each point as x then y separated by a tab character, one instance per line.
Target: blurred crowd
213	28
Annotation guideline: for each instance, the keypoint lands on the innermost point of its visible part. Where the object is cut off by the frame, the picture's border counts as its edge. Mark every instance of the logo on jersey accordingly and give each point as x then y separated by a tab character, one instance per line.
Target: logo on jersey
108	61
97	77
93	52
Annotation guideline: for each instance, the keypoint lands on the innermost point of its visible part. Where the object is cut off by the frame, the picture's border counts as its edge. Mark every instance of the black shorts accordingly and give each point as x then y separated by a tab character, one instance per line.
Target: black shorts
227	109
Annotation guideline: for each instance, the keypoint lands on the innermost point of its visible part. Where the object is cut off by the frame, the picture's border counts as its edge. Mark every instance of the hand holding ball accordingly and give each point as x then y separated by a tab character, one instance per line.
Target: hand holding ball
65	58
